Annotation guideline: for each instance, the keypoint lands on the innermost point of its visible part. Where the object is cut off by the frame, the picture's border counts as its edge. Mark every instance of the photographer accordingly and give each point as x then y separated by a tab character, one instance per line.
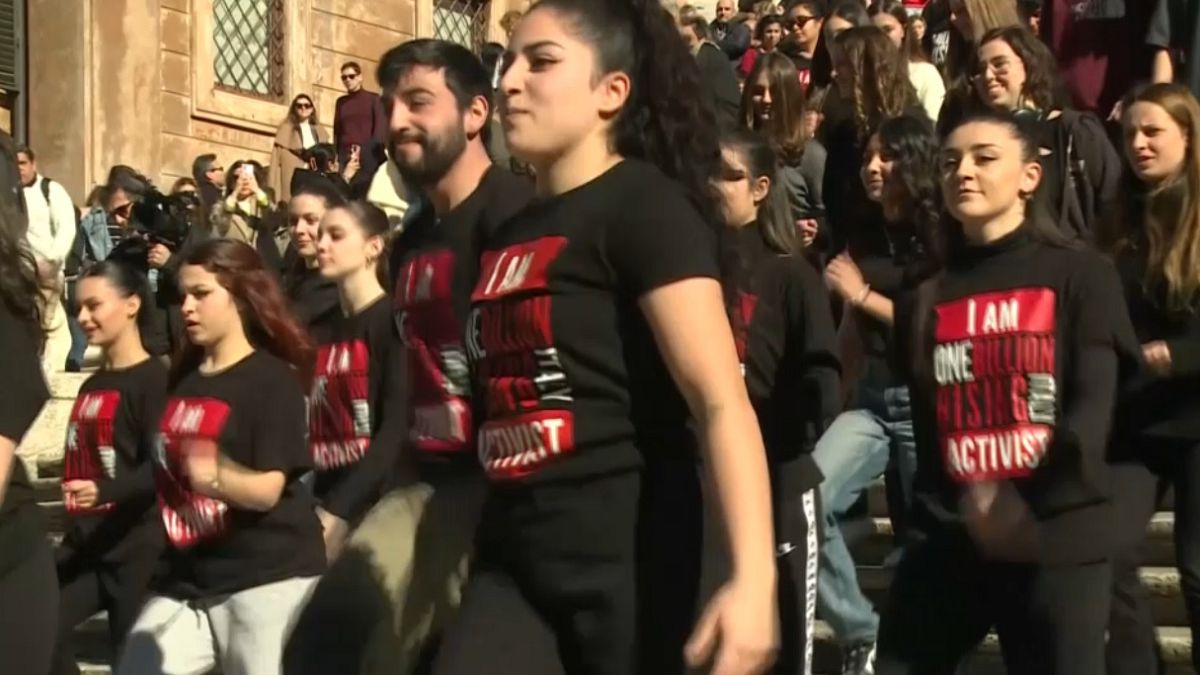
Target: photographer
154	230
247	214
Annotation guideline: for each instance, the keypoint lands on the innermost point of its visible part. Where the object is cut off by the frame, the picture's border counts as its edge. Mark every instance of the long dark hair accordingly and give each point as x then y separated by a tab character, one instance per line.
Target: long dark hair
881	87
913	147
231	176
785	129
667	120
911	46
822	64
265	314
20	288
774	215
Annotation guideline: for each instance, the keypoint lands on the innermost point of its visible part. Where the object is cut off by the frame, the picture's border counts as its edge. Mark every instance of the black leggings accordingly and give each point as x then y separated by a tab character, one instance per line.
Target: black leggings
88	584
29	613
599	576
1132	647
944	600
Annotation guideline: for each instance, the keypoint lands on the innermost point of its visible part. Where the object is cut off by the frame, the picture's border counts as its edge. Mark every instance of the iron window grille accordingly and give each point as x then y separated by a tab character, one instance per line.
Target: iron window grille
248	36
462	21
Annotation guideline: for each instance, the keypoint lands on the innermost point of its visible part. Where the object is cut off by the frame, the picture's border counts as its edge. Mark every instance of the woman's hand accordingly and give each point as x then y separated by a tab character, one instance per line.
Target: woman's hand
333	531
999	521
201	461
843	277
82	494
740	627
808	231
1158	357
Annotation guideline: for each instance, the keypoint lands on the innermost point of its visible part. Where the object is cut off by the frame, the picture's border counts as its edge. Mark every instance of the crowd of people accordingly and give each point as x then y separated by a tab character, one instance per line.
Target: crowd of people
573	357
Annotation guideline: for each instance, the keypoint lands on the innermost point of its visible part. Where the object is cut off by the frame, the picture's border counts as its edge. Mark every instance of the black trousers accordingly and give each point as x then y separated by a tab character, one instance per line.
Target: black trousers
1132	647
797	526
595	577
1178	462
1051	620
29	613
89	583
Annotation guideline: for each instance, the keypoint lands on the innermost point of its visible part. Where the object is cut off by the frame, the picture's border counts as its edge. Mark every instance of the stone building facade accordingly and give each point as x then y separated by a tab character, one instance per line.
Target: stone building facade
154	83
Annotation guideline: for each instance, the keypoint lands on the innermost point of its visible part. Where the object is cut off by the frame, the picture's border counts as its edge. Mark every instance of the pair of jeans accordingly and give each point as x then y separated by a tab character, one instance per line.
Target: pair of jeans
854	451
78	337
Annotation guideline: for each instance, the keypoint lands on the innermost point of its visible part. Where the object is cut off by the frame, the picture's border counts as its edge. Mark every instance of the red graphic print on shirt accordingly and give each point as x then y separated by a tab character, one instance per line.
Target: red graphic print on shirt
89	452
339	409
437	363
189	518
742	315
994	362
510	339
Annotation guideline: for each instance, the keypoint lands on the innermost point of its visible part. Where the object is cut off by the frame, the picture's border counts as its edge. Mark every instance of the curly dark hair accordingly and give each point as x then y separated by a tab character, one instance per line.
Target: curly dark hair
911	144
667	120
881	88
1042	84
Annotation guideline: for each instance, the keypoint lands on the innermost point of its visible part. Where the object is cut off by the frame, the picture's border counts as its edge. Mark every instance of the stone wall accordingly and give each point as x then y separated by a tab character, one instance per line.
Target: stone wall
132	82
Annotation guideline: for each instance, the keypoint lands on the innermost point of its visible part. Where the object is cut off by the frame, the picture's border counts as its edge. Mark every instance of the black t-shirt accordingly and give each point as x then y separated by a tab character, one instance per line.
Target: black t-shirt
567	373
254	410
783	328
435	264
22	396
890	276
1025	343
110	439
21	399
356	419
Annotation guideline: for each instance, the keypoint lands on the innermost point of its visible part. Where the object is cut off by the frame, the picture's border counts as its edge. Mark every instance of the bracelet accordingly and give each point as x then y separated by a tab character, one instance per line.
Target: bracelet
862	297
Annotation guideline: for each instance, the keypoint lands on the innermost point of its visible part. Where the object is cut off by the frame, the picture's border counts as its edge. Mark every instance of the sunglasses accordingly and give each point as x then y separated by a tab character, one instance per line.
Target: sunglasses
303	106
347	78
799	22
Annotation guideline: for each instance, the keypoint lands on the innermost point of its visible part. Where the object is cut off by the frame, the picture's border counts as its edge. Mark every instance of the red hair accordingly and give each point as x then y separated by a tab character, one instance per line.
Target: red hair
266	316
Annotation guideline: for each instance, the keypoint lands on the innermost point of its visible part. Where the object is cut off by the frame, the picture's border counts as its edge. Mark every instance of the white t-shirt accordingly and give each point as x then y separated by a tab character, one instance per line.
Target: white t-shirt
931	89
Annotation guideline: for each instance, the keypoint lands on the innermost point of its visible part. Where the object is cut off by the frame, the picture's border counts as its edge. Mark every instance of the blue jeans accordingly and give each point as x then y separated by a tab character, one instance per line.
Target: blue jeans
853	452
79	342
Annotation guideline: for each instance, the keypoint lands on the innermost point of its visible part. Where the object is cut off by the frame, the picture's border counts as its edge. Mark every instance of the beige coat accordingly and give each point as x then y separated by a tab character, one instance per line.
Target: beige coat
285	158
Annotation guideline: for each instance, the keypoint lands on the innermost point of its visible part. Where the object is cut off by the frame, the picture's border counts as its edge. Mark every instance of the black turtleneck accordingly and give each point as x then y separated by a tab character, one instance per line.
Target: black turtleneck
1018	349
785	339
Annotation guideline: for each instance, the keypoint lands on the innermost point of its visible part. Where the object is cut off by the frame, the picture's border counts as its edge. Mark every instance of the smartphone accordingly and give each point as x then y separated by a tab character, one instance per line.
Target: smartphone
247	170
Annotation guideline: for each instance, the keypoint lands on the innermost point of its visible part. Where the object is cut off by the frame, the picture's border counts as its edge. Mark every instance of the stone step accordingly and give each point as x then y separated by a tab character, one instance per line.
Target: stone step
871	540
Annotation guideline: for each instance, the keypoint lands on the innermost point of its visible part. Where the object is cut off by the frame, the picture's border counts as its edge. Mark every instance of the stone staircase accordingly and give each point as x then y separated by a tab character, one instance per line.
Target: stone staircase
870	536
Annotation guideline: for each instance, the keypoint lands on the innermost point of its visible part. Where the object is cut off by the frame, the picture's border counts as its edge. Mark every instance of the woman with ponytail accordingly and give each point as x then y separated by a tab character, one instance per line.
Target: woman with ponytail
245	543
112	541
601	350
783	330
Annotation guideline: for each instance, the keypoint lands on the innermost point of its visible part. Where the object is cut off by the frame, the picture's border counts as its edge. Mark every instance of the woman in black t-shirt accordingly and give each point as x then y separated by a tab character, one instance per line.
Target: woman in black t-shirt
245	541
1016	350
597	331
1155	239
356	419
313	297
28	593
783	330
113	539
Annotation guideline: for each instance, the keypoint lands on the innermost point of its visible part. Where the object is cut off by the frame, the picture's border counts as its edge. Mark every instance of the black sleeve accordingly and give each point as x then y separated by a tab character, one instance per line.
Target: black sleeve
24	391
811	333
1075	472
1101	164
661	240
279	424
142	416
363	481
1159	32
1185	356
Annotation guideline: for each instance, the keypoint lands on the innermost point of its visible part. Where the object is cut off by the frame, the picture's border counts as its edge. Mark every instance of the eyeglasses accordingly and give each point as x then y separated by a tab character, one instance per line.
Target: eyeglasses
799	22
303	106
998	68
347	78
